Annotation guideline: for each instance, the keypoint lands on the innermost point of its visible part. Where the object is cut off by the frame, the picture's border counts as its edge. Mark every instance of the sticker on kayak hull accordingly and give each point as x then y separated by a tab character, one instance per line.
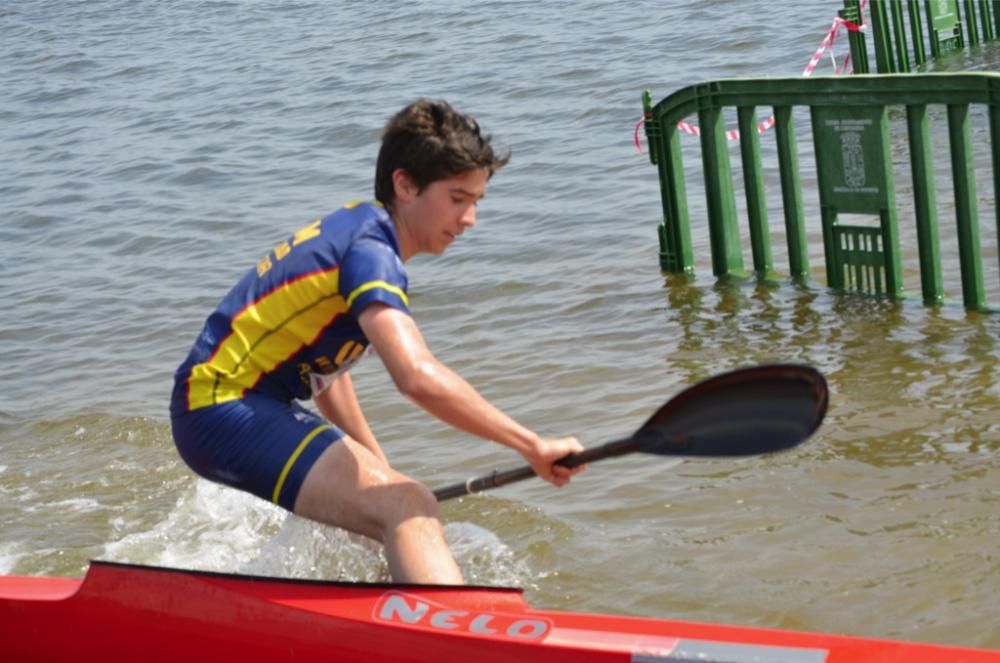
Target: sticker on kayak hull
409	609
706	651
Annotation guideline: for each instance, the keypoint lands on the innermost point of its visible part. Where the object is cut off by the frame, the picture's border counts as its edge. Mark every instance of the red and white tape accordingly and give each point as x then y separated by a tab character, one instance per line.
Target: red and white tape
826	45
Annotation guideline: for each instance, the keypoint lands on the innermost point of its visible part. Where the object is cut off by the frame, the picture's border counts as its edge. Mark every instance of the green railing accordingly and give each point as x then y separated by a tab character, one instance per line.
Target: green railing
853	154
903	33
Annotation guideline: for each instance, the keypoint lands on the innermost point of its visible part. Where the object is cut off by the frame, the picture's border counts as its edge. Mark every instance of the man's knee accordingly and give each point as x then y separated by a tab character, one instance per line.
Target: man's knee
412	499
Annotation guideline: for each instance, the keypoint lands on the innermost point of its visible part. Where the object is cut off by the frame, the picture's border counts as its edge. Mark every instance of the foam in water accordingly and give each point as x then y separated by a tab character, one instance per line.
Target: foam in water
72	505
214	528
10	553
484	558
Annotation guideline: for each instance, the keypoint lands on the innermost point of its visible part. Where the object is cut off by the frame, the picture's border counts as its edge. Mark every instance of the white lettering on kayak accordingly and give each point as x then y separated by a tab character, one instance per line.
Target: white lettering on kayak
401	608
527	628
446	619
481	625
395	608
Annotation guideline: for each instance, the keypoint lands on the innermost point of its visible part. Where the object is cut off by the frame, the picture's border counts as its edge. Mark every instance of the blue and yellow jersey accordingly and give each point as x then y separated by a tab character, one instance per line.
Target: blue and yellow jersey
293	317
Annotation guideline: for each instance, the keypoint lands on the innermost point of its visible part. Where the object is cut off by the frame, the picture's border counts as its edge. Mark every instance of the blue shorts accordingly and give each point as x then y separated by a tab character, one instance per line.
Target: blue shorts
257	444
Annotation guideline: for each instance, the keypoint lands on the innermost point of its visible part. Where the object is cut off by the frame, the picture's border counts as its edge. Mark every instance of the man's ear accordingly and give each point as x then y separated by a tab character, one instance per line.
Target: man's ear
403	185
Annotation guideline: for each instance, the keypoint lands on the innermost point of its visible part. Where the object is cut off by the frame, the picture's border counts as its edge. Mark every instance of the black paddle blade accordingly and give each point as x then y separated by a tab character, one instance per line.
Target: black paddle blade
745	412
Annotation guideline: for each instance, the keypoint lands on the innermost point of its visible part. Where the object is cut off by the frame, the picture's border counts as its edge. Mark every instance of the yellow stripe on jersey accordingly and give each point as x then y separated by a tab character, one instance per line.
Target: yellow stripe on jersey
348	351
371	285
354	203
264	335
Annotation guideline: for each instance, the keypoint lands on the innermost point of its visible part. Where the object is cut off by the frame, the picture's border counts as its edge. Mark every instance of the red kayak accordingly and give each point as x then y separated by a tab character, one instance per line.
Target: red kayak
122	612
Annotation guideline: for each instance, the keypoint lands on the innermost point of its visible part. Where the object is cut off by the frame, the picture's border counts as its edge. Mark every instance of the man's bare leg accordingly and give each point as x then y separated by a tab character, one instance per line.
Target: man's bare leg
349	487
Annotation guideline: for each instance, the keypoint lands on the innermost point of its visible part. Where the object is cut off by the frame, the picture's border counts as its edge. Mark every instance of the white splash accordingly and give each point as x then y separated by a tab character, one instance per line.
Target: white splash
215	528
212	528
10	553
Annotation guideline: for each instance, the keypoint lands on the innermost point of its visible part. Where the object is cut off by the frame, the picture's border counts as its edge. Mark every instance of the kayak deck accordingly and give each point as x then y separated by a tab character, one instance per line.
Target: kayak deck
131	612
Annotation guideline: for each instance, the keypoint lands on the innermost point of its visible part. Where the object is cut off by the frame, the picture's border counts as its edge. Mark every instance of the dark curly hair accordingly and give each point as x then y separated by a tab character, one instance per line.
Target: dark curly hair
432	141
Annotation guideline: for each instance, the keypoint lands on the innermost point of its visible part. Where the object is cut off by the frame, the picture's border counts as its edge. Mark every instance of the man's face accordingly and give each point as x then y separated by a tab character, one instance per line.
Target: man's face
445	208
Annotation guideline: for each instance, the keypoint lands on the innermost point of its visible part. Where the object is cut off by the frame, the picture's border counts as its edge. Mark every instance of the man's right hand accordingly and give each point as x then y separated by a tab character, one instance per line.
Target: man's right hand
549	450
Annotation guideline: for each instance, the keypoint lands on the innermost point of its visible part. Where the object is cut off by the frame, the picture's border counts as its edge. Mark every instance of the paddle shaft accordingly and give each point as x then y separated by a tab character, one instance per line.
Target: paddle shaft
498	478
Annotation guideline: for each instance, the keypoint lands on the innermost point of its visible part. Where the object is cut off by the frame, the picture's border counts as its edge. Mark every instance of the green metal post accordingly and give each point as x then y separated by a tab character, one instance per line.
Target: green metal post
650	128
791	192
899	36
727	255
665	152
676	254
961	42
986	20
965	205
856	39
887	215
753	183
995	142
970	22
925	203
880	37
828	214
932	31
919	51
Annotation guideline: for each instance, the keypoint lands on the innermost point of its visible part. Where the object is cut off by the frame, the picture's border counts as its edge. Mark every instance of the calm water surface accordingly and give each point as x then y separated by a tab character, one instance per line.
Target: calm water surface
154	150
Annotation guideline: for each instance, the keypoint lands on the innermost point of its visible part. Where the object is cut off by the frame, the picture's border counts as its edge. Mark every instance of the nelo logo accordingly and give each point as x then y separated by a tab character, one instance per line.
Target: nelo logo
402	608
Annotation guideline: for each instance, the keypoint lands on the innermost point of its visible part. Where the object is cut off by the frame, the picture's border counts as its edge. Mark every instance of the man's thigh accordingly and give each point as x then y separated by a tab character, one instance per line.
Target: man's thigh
350	487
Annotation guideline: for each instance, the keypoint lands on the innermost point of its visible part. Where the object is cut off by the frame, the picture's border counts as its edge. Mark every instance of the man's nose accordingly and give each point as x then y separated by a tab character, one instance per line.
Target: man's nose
469	218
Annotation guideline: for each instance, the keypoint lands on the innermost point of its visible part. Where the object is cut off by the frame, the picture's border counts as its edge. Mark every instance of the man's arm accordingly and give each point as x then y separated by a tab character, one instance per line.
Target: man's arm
443	393
339	403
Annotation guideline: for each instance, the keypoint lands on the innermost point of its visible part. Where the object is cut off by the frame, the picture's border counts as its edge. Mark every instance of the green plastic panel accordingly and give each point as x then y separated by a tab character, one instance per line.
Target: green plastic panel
853	177
943	14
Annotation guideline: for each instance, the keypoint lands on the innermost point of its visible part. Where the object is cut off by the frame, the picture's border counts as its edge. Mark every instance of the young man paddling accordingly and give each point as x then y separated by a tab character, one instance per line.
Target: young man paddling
292	327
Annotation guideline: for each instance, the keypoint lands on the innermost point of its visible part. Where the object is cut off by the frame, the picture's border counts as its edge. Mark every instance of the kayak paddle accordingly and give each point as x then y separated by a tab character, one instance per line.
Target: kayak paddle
746	412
